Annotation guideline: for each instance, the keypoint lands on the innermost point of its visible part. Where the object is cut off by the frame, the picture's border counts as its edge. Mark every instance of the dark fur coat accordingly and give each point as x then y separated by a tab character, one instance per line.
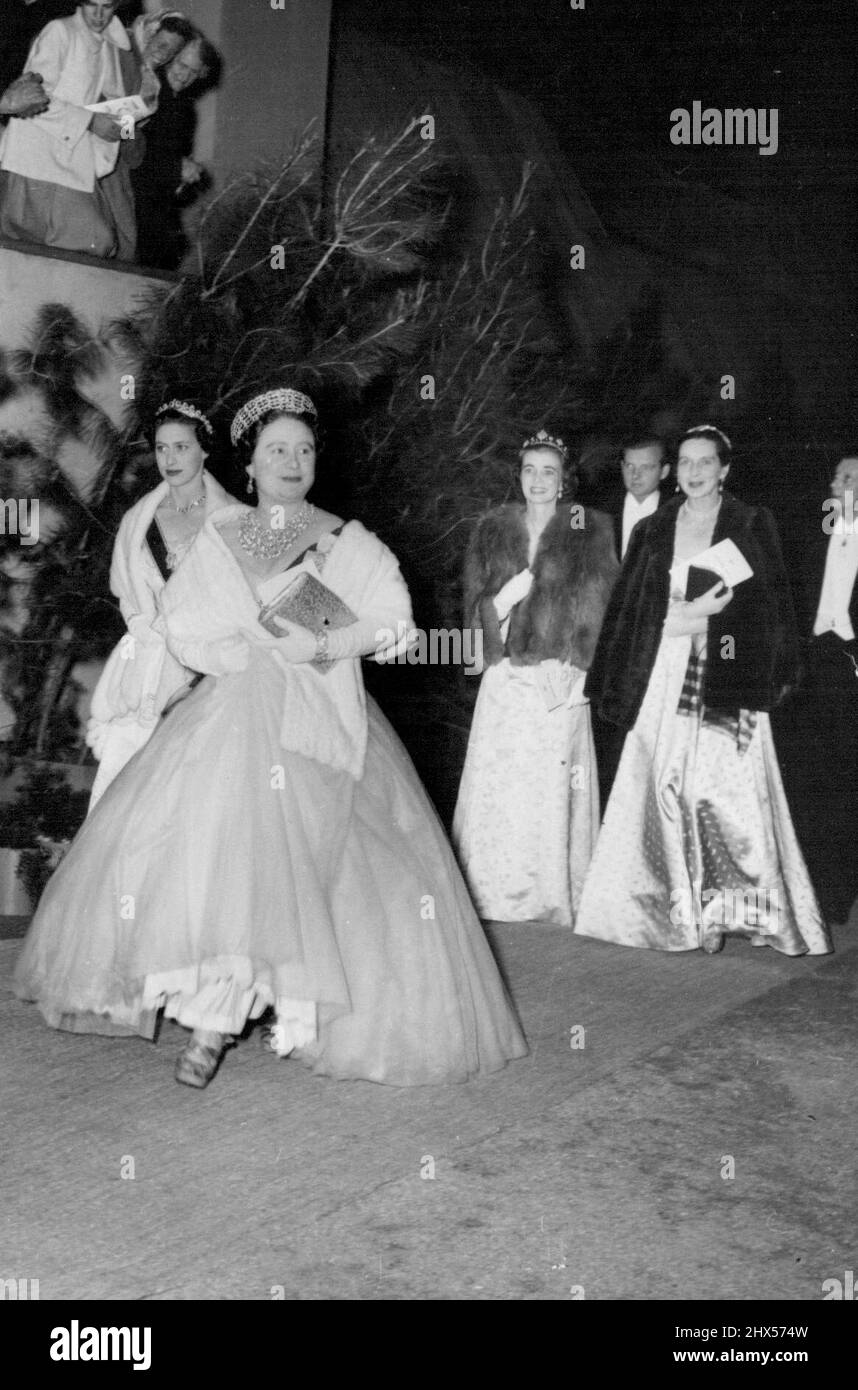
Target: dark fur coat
759	618
574	570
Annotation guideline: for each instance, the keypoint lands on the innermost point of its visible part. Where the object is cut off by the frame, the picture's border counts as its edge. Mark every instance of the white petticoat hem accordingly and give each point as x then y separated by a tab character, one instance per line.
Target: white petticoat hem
213	997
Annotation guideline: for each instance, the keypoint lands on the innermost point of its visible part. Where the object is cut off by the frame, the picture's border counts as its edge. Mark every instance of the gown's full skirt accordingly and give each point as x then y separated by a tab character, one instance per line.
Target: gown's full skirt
527	814
220	875
697	836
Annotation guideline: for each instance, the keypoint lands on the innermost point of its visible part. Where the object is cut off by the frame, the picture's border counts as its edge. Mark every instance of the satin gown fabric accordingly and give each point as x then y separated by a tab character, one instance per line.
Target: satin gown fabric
223	872
527	814
697	836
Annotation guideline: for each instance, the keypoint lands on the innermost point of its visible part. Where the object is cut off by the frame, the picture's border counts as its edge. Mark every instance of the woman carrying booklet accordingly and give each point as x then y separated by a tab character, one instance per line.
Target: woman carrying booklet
697	841
538	575
271	845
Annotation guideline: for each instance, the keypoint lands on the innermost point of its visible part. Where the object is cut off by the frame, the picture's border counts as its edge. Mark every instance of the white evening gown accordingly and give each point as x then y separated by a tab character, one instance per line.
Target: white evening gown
527	814
697	835
272	845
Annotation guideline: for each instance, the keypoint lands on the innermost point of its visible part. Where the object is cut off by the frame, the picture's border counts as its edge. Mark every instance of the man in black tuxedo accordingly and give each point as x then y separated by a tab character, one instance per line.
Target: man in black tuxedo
645	474
817	726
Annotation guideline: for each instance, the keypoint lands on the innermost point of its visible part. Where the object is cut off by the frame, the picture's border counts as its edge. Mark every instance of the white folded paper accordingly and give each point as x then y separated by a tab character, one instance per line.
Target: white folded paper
724	559
131	108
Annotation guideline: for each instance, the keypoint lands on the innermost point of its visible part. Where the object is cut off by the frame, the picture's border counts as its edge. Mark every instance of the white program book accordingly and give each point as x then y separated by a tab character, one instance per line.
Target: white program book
724	559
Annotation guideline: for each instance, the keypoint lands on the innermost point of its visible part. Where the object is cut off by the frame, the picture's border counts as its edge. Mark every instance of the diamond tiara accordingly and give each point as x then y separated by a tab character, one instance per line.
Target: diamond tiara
696	429
283	398
185	408
543	440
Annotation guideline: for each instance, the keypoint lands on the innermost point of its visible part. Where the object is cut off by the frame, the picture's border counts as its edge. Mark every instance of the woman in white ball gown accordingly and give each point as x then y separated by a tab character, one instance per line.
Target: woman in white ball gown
141	676
271	845
697	842
538	576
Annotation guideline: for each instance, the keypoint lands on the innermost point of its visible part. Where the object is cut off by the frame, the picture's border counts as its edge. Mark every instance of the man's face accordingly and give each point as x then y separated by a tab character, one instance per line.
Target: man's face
162	48
97	16
184	70
643	470
845	480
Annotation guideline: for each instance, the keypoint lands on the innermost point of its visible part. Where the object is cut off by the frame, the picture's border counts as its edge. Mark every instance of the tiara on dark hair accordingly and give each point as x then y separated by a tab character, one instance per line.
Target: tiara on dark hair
282	398
698	429
543	440
189	411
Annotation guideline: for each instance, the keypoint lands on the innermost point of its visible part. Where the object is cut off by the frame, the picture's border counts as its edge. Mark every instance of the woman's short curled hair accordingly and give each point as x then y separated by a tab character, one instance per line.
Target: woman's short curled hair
248	441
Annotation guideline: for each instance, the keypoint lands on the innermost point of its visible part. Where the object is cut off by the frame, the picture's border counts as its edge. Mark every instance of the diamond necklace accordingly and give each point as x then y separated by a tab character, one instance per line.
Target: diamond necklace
197	502
269	542
702	523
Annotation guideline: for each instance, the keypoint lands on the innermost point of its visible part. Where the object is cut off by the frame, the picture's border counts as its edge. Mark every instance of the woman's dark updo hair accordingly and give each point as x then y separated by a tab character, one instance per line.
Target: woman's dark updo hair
723	447
247	443
175	417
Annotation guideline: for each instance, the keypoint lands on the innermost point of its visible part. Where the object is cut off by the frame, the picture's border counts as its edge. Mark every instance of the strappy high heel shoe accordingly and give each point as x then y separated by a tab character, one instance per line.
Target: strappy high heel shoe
197	1063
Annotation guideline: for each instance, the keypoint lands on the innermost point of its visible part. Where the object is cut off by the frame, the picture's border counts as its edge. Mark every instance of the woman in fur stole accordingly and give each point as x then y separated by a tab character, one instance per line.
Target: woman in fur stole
537	581
141	677
697	840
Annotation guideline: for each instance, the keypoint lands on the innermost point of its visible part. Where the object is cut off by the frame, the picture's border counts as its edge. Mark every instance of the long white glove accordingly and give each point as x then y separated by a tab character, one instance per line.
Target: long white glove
222	656
513	591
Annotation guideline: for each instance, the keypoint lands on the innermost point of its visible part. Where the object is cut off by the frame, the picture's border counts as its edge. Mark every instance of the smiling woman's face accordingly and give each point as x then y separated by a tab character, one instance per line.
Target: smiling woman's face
699	469
283	464
541	475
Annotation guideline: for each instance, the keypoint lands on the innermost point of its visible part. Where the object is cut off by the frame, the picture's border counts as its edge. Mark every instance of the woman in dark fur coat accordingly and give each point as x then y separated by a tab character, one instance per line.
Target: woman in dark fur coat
697	840
537	581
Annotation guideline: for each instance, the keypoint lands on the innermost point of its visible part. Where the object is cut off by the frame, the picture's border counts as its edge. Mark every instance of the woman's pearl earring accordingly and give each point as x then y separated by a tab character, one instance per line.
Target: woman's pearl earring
249	482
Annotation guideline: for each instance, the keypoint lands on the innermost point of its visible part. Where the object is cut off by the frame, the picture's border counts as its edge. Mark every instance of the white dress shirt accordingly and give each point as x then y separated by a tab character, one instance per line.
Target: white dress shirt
78	67
634	511
841	570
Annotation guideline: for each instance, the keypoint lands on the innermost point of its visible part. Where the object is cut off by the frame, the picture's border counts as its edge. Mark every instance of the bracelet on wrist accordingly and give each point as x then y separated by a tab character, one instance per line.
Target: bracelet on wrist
322	653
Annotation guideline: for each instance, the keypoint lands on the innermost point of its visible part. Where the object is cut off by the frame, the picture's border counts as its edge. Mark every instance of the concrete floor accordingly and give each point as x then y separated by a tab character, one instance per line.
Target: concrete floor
699	1145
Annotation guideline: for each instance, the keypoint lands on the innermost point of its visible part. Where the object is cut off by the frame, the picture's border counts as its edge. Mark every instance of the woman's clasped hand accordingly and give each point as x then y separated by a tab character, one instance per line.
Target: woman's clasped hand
295	643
